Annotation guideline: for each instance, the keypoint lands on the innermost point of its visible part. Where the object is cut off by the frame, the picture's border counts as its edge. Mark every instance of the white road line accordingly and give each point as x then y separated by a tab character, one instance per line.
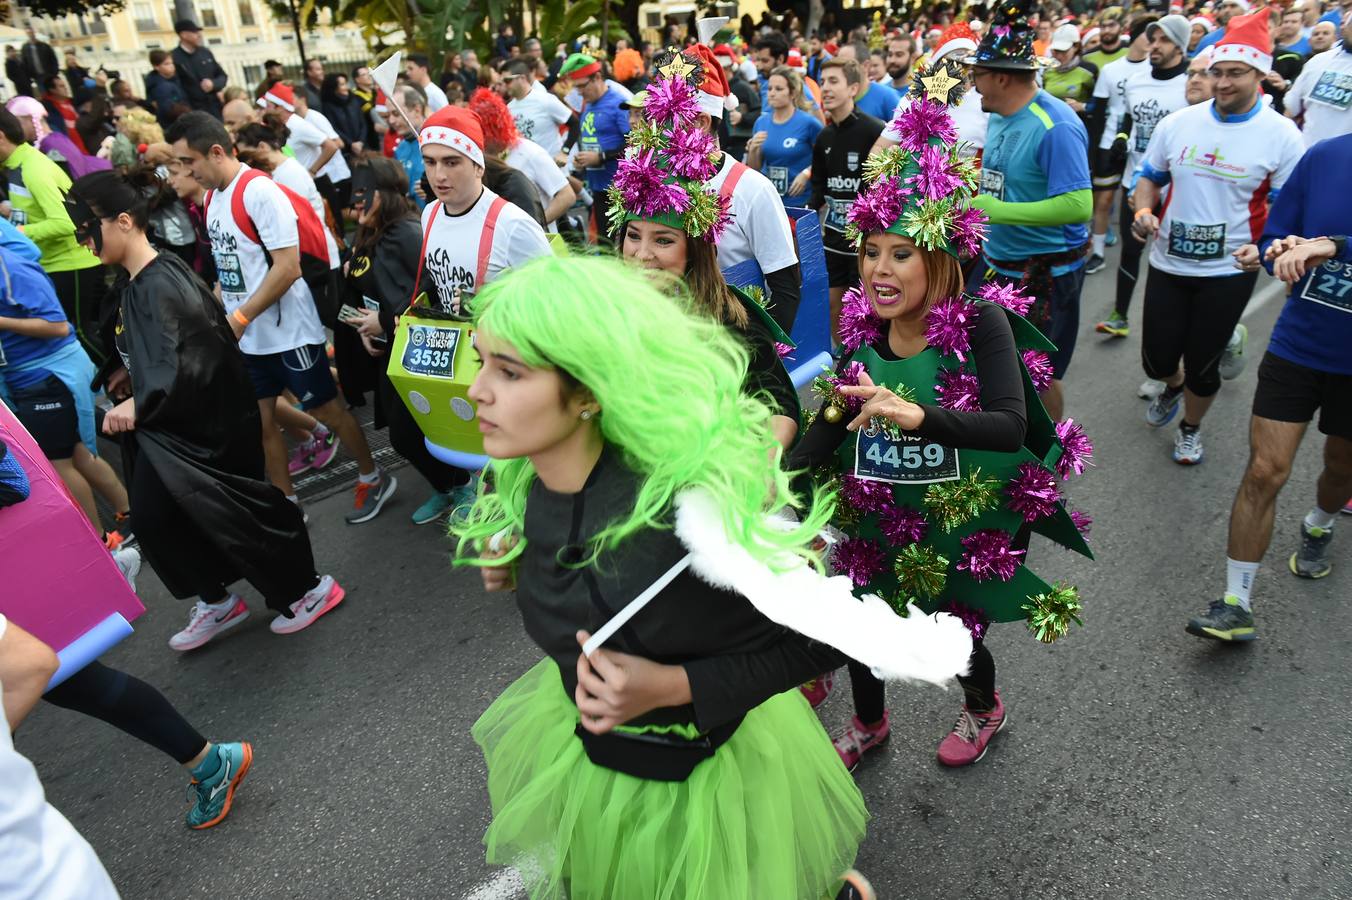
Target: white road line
506	885
1264	297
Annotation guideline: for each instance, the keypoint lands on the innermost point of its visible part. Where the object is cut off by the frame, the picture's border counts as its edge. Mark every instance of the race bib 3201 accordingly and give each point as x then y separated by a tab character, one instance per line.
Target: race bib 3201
1198	242
1333	89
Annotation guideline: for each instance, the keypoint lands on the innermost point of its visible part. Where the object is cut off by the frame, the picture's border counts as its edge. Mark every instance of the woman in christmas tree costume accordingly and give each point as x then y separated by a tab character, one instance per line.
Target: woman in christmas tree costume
676	760
667	220
932	429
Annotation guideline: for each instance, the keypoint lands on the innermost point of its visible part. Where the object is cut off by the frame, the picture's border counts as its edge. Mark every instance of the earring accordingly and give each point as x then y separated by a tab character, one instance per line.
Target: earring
586	415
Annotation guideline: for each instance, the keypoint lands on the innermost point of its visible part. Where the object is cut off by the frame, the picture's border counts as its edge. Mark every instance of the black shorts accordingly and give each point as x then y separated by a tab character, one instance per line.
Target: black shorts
303	371
1290	392
1057	316
1107	173
47	410
842	269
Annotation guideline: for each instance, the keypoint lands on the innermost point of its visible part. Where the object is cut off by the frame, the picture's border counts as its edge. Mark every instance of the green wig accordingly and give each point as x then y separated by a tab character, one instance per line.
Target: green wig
668	382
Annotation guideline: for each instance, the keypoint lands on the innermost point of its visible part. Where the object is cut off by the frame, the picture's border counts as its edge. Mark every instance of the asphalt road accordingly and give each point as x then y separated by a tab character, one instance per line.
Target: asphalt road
1139	762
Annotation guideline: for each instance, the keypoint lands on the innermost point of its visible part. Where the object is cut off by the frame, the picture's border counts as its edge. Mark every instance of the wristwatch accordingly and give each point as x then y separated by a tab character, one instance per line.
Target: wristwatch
1339	245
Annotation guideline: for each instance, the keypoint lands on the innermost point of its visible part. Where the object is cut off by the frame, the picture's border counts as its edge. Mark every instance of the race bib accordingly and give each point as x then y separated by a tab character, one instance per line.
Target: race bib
18	217
779	177
230	274
993	183
431	350
910	460
1196	242
1330	285
1333	89
835	214
1143	134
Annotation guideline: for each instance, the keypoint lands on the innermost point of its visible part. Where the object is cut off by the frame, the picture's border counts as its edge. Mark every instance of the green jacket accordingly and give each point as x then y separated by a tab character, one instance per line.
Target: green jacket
37	192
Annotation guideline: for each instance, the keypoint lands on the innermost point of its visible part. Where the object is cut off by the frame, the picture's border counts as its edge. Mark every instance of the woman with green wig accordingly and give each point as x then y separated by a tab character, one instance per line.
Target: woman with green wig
666	220
635	506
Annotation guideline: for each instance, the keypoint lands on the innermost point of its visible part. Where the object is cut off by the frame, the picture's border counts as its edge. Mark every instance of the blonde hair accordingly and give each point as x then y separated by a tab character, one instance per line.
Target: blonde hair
141	127
797	97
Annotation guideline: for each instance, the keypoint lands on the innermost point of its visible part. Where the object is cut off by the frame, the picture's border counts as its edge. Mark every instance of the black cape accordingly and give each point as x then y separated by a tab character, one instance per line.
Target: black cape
197	422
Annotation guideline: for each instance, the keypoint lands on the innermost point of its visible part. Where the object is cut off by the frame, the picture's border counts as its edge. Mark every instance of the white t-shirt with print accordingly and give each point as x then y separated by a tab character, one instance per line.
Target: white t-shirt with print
293	175
1110	88
1323	92
452	255
1221	176
538	116
759	228
241	266
1148	100
530	159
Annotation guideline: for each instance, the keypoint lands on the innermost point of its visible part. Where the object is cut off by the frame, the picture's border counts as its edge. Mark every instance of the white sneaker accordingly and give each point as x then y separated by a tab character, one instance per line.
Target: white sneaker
317	601
206	624
1188	447
1232	360
1150	389
128	561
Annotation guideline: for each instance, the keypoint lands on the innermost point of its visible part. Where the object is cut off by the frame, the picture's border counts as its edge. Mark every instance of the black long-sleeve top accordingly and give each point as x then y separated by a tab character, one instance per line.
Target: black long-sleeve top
999	426
734	657
765	372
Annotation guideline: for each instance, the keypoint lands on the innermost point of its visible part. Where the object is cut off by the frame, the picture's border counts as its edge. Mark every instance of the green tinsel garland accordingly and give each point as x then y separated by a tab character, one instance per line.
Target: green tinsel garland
888	163
1050	613
703	210
929	223
952	504
920	571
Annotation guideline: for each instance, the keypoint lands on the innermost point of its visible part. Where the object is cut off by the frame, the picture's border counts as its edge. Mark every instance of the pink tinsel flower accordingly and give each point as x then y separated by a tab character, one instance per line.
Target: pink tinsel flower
782	350
1033	493
644	188
974	619
877	207
858	323
922	120
935	180
902	525
969	230
1082	521
858	558
988	555
671	99
848	376
1012	297
866	496
689	150
958	390
1076	449
1039	367
950	323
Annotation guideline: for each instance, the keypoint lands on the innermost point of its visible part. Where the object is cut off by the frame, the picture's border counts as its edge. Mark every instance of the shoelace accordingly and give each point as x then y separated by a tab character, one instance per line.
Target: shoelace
362	490
966	727
1189	442
1311	545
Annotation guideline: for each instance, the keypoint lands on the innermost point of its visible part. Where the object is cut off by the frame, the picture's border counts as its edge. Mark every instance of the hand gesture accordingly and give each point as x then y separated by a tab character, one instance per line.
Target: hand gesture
1246	258
879	401
121	418
614	687
498	578
1292	265
1281	245
1145	226
757	140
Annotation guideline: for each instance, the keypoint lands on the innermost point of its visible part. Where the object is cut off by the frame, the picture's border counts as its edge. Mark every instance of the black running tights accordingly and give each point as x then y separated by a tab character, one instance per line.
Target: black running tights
1189	319
1129	265
126	702
978	686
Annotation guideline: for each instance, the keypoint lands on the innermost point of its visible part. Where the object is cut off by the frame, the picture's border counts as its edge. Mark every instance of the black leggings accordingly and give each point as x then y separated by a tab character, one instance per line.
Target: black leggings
978	686
126	702
1129	267
81	292
407	440
1190	318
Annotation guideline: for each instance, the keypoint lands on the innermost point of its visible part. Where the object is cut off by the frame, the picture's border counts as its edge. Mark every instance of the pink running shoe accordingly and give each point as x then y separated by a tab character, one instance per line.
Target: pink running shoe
858	739
324	450
317	601
1347	510
972	734
206	624
818	689
301	458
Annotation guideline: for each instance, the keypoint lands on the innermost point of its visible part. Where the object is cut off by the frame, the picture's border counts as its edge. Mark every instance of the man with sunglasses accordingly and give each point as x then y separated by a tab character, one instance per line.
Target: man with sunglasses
539	115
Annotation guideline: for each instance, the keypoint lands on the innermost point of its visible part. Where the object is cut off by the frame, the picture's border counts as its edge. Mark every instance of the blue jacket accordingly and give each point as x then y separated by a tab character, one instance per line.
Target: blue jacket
165	93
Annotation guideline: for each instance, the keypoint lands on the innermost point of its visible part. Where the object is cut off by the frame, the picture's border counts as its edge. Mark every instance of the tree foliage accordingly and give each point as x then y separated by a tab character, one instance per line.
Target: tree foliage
59	8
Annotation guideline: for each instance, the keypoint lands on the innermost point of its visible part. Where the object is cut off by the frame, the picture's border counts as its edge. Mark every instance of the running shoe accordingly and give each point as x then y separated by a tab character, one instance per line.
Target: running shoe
1312	559
858	739
856	887
818	689
1114	326
206	624
1347	510
1233	359
211	796
462	499
122	522
1188	446
971	735
113	539
324	449
128	561
370	497
318	600
1110	238
1224	620
1096	263
1150	389
433	508
301	458
1163	408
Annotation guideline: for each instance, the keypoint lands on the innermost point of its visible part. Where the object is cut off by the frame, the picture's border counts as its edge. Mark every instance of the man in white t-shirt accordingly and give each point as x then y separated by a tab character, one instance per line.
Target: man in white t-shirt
270	307
539	114
1223	161
1106	110
1322	93
418	73
316	144
502	139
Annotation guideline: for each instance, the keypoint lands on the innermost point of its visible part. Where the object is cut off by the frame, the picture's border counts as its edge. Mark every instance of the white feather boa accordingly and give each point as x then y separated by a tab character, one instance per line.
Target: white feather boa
920	647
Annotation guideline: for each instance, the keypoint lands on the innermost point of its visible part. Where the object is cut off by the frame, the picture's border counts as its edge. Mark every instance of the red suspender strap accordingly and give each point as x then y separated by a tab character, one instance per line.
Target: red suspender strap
422	251
237	209
486	242
730	183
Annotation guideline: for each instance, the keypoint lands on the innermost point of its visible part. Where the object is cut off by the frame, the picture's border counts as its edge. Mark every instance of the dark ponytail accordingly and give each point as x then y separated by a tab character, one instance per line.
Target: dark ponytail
265	133
137	193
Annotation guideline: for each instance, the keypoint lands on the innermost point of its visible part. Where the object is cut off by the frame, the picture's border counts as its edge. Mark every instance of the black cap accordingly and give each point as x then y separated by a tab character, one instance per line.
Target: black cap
186	25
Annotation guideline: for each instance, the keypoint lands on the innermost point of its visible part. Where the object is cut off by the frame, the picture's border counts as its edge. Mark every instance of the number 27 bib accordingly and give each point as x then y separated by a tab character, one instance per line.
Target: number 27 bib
908	460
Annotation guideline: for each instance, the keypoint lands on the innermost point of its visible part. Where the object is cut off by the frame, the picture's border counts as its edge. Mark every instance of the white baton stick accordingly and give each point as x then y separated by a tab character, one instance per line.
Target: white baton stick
631	609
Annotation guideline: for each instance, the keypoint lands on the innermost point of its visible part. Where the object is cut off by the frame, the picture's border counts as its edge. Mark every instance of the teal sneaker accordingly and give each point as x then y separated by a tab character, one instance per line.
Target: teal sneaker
1224	620
1232	360
1115	325
462	499
213	794
433	508
1312	559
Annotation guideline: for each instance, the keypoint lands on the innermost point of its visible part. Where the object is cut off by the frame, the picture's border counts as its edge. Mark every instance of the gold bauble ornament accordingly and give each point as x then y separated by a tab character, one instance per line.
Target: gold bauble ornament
833	414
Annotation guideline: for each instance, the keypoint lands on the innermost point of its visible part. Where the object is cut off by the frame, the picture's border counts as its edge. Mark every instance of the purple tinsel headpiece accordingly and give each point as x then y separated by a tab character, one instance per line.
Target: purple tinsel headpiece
950	323
1076	449
690	152
645	187
1082	521
969	230
1040	370
958	390
988	554
879	205
935	179
671	100
1010	296
858	558
922	120
1033	492
902	525
858	324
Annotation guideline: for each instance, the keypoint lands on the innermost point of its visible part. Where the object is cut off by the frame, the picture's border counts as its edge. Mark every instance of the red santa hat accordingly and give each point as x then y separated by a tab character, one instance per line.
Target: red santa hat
956	37
723	53
1247	40
714	94
794	59
457	128
280	94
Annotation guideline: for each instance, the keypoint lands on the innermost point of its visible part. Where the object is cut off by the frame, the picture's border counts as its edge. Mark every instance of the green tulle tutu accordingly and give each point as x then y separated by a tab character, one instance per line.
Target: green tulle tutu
773	815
